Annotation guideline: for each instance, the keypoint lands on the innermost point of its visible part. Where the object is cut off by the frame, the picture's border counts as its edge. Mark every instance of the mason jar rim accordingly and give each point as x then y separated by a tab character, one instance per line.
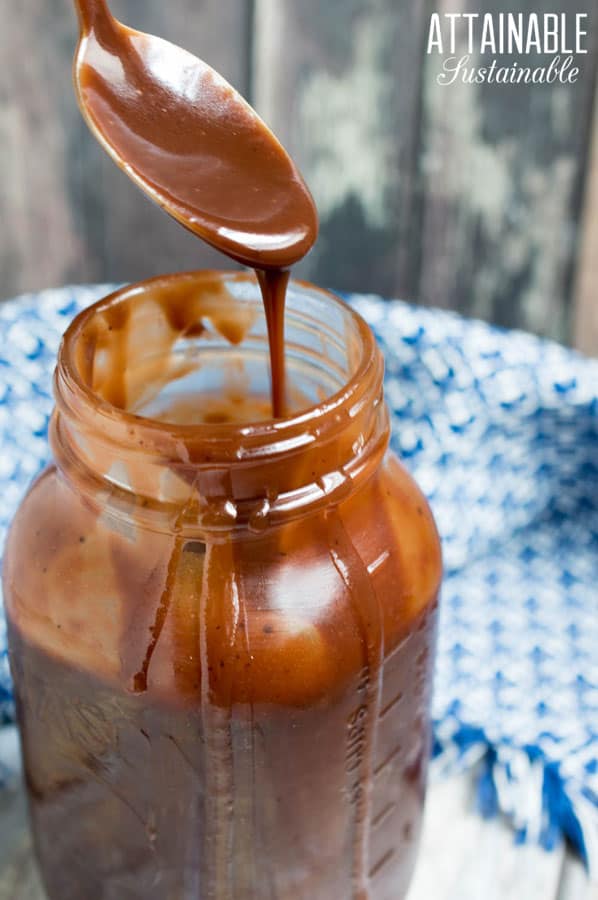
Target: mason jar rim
76	399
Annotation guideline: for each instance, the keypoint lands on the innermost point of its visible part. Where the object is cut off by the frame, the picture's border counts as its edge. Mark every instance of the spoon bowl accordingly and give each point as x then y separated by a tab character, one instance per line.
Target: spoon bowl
194	145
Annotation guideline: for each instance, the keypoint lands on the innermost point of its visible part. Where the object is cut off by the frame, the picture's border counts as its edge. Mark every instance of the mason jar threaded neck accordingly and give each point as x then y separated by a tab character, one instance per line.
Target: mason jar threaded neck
202	335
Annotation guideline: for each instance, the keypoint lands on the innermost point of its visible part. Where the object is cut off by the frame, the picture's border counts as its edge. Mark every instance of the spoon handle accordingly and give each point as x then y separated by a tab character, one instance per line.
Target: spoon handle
92	12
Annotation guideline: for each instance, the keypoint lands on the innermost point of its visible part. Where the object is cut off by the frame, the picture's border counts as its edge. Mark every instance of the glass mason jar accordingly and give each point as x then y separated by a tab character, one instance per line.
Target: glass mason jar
222	626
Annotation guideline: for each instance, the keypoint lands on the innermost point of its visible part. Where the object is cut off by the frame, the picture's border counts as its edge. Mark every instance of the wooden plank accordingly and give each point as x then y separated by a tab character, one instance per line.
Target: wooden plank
465	858
478	211
497	869
450	830
586	307
340	84
67	213
12	817
19	880
503	171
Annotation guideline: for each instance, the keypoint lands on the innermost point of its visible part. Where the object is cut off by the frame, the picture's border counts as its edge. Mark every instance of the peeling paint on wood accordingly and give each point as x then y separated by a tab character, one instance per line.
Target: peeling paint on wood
67	213
340	83
460	196
467	197
586	308
502	168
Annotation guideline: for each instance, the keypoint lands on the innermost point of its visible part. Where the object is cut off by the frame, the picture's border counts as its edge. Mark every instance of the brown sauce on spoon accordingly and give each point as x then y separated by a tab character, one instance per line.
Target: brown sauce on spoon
199	150
221	626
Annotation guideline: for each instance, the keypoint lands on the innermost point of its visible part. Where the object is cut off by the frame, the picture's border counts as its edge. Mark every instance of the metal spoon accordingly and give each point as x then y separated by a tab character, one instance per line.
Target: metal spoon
191	142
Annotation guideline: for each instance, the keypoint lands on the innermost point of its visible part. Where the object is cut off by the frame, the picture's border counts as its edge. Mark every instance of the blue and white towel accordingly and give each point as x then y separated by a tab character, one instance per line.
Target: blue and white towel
501	431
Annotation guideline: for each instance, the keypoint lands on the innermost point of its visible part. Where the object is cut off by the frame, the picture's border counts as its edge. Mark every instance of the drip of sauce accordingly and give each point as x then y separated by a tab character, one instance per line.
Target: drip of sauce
245	714
197	148
273	285
191	142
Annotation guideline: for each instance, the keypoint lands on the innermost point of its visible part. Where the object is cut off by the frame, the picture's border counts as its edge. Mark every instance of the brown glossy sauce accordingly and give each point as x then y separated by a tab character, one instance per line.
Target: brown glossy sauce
201	715
201	152
208	715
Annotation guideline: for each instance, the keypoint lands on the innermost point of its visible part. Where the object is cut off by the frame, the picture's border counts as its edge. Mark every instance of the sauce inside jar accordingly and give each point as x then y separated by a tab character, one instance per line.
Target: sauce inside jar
222	633
221	600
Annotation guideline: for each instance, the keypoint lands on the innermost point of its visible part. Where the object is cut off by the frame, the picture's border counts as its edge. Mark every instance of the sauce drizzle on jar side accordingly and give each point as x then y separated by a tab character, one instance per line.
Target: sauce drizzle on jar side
253	642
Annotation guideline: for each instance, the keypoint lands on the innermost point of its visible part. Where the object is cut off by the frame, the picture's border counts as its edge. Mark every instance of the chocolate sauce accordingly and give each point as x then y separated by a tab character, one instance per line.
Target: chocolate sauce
196	147
221	626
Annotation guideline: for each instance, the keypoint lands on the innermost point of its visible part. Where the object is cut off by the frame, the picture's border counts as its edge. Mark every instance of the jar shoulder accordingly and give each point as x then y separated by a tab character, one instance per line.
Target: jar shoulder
279	615
393	529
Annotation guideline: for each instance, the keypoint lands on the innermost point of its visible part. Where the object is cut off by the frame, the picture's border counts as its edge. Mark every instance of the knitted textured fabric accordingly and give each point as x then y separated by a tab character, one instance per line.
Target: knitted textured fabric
500	429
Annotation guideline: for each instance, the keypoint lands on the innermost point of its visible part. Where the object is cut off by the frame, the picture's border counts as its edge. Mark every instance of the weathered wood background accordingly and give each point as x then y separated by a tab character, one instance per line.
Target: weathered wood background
478	198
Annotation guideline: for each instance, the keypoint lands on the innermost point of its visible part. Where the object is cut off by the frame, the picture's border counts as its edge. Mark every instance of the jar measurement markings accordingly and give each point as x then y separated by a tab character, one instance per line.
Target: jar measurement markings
391	705
396	650
229	703
375	870
383	815
389	759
